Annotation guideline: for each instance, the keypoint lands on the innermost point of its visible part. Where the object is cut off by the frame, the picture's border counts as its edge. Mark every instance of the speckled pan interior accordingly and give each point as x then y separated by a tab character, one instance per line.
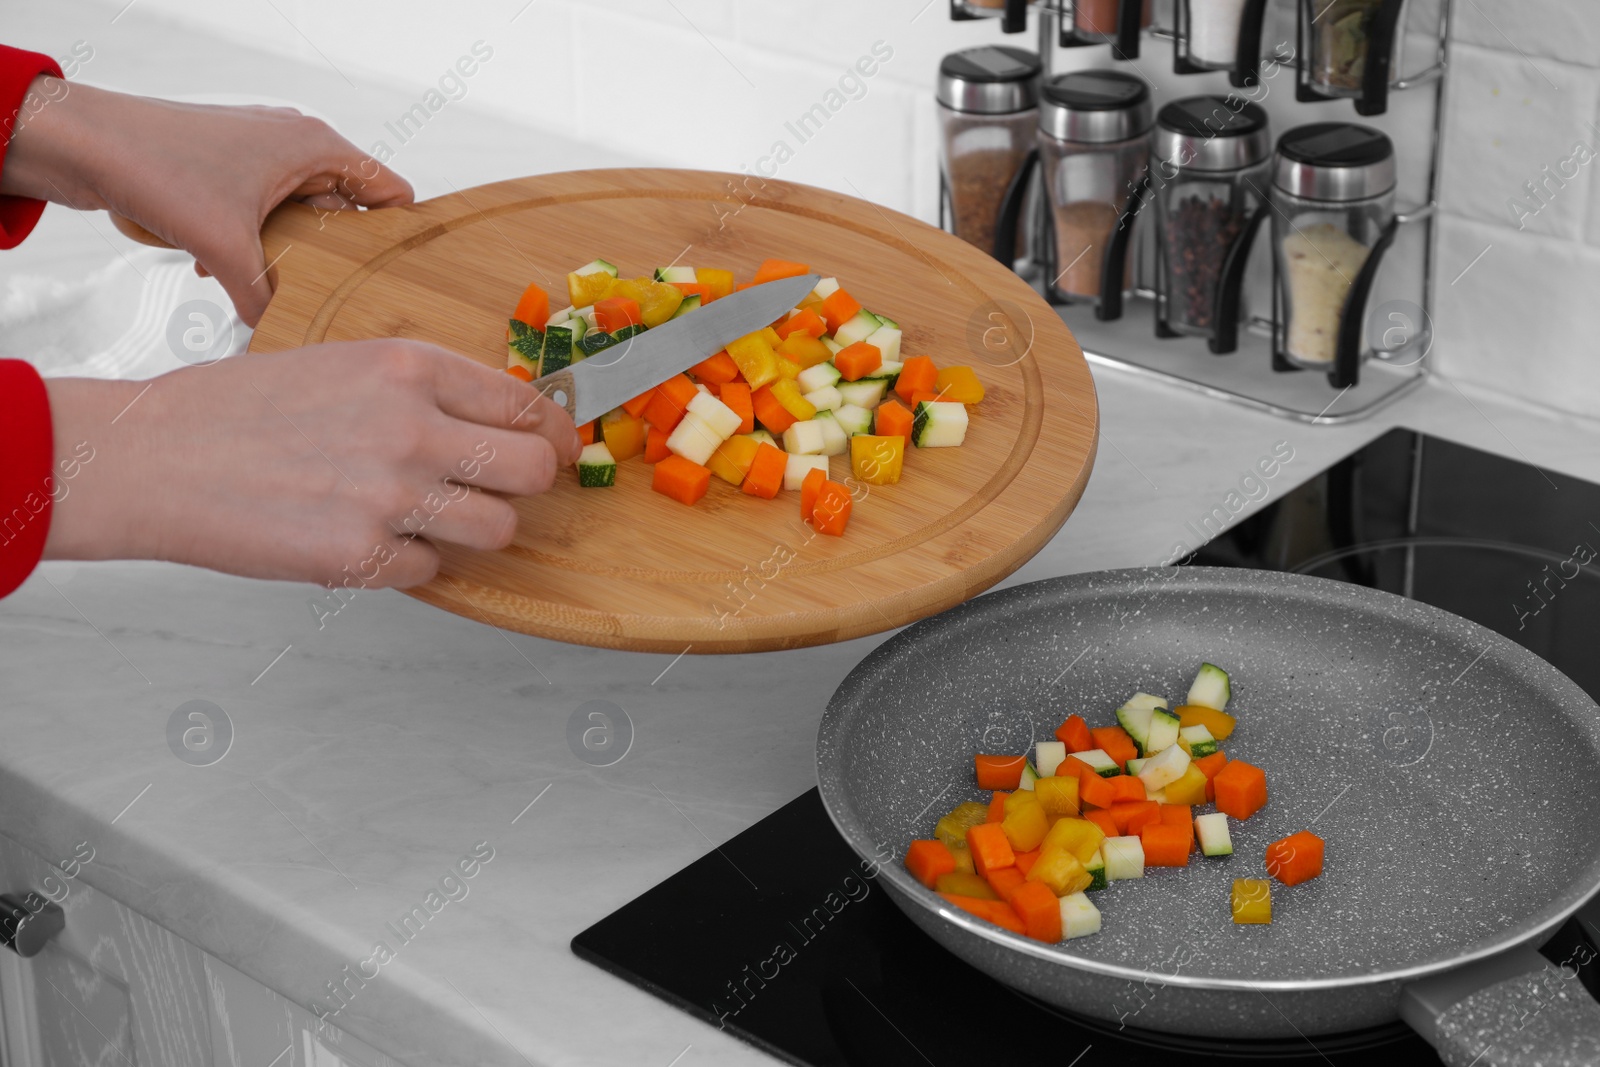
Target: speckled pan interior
1454	776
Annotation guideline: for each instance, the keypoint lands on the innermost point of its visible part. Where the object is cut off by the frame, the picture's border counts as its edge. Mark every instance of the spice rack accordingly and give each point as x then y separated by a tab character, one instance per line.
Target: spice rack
1398	318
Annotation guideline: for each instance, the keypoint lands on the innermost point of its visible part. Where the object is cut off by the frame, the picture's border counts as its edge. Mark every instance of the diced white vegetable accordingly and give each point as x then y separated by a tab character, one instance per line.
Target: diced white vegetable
702	388
826	288
1197	741
762	437
1164	769
1212	831
1135	765
587	315
1124	858
1079	917
714	413
1163	732
1157	795
1135	721
1097	871
693	439
1146	700
886	371
939	424
1029	776
682	275
825	399
854	419
596	467
834	440
816	377
803	439
797	467
857	329
1048	756
596	265
867	393
1100	760
559	317
886	339
1211	688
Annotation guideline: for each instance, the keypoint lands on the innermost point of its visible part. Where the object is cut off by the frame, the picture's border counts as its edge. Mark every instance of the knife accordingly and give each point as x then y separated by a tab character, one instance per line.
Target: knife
591	387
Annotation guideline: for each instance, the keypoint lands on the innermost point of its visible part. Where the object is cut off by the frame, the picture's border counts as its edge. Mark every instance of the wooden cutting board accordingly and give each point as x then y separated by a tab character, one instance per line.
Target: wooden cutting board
628	568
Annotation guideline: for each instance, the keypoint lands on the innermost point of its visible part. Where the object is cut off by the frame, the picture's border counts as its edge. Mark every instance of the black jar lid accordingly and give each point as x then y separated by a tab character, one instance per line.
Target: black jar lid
1334	161
990	79
1211	133
1094	106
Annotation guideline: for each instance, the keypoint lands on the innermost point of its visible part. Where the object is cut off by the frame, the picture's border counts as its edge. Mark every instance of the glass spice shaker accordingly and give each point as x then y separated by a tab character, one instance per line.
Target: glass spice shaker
1333	190
1098	20
1093	151
1210	161
1349	47
988	111
1219	35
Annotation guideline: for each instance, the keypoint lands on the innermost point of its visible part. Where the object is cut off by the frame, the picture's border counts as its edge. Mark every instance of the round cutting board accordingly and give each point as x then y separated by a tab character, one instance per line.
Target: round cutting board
629	568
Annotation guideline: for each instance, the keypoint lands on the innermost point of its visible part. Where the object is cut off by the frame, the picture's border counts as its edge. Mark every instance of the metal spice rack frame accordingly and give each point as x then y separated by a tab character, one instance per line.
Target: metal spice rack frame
1238	377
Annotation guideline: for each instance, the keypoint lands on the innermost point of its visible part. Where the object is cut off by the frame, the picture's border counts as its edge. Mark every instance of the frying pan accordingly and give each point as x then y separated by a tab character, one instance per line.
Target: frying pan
1454	776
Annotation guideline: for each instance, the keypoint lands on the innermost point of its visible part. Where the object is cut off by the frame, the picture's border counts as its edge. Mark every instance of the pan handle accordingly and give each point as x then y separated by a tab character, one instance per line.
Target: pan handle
1512	1010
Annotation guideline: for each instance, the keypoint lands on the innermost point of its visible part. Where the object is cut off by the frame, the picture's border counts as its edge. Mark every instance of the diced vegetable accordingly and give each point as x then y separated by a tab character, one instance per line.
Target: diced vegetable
765	476
825	399
1079	917
1190	787
1099	761
1025	827
1081	837
755	358
1124	858
737	396
998	772
825	288
804	350
722	419
852	418
863	394
831	513
939	424
1005	881
797	468
961	385
818	377
614	312
803	439
952	827
1212	831
1220	723
878	461
1136	722
927	860
834	440
1164	845
991	849
1135	765
1074	733
676	274
1211	688
1115	742
669	402
690	302
719	282
533	307
1097	871
680	479
838	308
1167	766
1241	789
1296	858
1057	795
996	911
1059	870
623	434
1163	732
1197	741
1029	777
773	269
1048	756
1252	901
861	326
964	884
732	459
886	339
806	321
596	467
655	445
1039	910
917	376
718	370
693	439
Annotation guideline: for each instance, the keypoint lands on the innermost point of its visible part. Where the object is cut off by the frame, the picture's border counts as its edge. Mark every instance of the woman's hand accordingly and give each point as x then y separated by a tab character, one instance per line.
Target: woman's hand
316	463
200	177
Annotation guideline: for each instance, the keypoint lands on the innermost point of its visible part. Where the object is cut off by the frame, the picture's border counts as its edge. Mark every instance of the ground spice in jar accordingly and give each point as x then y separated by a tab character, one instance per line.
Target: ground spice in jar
1322	262
1082	229
1100	16
978	183
1199	233
1339	49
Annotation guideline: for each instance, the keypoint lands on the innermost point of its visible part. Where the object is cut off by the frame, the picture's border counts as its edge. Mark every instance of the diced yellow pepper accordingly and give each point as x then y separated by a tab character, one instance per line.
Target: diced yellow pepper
878	460
720	282
755	358
812	302
963	857
1252	900
952	829
965	884
1061	871
1220	723
959	384
771	336
657	301
731	461
787	394
1058	794
1190	789
1025	827
788	368
804	349
624	435
1017	799
1077	836
585	289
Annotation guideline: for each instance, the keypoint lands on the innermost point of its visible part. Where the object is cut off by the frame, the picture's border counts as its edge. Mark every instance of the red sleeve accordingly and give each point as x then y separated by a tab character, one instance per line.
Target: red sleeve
18	214
27	452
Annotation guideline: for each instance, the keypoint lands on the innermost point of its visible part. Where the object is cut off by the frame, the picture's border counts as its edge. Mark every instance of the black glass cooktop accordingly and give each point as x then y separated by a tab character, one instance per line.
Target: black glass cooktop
802	955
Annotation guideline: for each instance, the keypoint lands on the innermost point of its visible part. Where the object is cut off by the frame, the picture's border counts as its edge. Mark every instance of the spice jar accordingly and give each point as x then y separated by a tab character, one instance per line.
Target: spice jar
1093	150
988	111
1349	48
1333	190
1098	20
1219	35
1210	155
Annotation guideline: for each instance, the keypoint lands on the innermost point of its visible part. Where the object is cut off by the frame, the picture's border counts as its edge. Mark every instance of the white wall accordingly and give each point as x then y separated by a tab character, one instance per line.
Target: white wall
711	83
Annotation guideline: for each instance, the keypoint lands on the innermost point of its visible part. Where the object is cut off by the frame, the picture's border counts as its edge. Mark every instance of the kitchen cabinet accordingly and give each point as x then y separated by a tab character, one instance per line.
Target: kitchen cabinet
113	988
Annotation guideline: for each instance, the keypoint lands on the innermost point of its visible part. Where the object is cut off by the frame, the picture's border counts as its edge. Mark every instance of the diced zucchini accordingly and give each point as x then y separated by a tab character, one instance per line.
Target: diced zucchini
819	376
1157	795
803	439
722	419
1135	722
1212	831
1197	741
886	339
887	321
857	329
1097	870
690	302
866	393
1163	732
1029	776
1134	766
629	331
596	467
833	347
559	317
1079	917
1124	858
683	275
596	341
797	467
939	424
557	351
1103	764
762	437
1146	700
693	439
524	347
597	265
853	419
825	399
834	440
587	315
826	288
1163	768
887	373
1211	688
1048	755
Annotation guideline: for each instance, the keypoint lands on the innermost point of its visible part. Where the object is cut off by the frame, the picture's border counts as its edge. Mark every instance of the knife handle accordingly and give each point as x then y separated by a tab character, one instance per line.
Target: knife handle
560	387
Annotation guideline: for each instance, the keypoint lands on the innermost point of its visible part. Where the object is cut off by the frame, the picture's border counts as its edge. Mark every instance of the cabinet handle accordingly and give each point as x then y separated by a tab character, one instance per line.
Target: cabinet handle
25	930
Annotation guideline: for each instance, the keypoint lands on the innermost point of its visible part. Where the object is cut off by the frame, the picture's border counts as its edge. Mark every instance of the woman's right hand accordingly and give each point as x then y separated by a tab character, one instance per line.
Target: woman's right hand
316	464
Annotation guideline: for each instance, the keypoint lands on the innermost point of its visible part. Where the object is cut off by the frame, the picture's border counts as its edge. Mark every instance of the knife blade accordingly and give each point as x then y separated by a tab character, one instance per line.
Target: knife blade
591	387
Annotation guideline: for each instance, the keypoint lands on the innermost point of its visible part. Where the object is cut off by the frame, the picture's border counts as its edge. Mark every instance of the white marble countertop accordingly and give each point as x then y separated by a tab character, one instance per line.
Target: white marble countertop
371	755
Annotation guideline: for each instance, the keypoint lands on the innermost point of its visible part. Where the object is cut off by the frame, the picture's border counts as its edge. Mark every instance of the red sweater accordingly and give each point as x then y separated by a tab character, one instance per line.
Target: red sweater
27	445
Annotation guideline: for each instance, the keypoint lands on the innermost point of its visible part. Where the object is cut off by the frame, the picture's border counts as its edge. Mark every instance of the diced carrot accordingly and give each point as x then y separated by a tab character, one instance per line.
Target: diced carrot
636	406
1210	766
1116	743
533	307
773	269
1241	789
1296	858
919	375
1074	733
655	445
665	409
990	847
838	309
998	772
737	396
1026	860
997	807
1005	881
773	415
717	370
1103	819
1126	787
1039	909
689	289
520	373
804	321
1131	816
615	312
1181	817
765	476
1164	846
680	479
1095	791
831	512
923	395
586	432
854	361
893	419
1075	767
996	911
927	860
809	488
